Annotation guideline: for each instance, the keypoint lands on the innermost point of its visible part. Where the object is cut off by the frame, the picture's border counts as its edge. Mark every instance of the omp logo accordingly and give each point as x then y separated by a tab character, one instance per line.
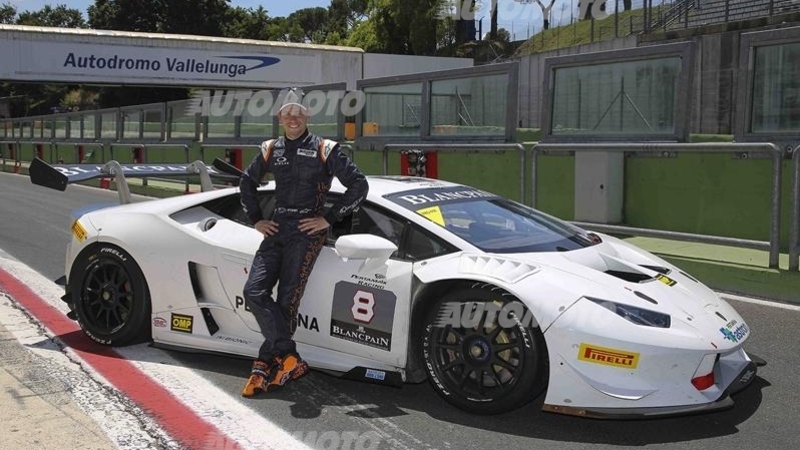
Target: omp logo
608	356
78	231
181	323
666	280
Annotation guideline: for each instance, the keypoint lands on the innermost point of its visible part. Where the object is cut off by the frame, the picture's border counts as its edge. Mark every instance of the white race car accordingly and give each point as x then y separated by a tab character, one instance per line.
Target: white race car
492	301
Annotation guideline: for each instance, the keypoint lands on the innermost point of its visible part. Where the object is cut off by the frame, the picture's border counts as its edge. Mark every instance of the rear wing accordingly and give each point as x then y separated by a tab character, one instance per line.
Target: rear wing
58	176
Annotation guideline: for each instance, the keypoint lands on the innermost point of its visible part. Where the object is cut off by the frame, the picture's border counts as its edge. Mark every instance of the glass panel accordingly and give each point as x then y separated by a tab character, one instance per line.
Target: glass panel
325	110
130	124
182	121
108	125
88	126
74	127
221	116
776	89
60	125
632	97
393	110
152	124
257	116
473	106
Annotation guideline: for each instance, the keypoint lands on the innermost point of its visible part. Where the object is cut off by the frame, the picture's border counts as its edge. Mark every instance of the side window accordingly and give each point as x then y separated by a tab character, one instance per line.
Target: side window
230	207
372	221
413	243
420	245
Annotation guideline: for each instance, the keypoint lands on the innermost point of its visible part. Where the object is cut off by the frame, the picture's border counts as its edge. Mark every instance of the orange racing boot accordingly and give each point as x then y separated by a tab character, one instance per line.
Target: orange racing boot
260	377
292	367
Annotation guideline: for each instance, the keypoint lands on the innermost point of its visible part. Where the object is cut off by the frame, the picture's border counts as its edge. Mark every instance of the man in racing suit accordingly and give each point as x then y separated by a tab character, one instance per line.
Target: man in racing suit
303	166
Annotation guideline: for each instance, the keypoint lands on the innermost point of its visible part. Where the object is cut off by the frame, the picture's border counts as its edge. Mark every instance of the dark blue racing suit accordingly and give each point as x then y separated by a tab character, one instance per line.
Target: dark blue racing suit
303	169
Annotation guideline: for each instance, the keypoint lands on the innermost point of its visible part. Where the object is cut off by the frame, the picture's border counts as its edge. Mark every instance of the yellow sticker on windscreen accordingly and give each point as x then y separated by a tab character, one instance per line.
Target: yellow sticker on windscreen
434	214
78	231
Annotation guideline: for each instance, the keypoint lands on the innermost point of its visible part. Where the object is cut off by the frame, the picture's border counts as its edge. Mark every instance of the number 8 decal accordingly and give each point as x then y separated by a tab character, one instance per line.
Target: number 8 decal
363	306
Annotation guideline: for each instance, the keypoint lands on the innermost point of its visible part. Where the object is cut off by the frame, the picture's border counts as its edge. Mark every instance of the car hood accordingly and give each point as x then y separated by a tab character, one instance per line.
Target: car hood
613	271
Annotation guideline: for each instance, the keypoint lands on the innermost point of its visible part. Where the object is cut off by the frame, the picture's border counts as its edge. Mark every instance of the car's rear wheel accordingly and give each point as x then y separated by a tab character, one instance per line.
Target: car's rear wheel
486	364
110	297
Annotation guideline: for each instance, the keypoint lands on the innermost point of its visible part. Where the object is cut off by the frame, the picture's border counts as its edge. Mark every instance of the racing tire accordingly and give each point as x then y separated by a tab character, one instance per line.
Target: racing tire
484	365
110	297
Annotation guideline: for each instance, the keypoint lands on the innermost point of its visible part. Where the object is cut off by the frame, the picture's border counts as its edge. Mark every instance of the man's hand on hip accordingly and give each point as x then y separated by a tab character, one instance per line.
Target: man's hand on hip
313	225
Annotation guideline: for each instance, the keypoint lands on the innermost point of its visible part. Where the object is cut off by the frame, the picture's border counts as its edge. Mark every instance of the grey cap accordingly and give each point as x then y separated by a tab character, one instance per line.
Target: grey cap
292	97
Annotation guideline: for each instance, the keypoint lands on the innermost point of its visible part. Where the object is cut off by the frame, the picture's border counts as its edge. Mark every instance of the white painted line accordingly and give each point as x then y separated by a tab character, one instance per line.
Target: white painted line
772	304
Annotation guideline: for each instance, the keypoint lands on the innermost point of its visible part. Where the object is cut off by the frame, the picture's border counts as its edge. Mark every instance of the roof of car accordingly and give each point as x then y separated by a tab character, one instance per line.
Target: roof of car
389	184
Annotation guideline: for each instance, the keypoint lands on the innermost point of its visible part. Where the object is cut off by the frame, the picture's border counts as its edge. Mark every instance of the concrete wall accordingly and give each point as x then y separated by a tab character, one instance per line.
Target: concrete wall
378	65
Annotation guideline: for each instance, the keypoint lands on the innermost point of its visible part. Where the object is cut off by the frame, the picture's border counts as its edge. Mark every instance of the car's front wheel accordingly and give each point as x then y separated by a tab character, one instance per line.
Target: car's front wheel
481	355
110	297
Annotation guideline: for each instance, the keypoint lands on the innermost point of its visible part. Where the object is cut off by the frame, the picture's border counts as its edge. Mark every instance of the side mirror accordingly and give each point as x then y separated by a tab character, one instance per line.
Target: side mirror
373	249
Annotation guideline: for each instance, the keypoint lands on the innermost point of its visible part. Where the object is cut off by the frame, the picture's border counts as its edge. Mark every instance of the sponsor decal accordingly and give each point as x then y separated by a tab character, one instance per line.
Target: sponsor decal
434	214
734	331
666	280
182	323
232	339
377	282
363	315
375	374
306	152
303	320
78	231
747	377
114	252
429	198
159	322
608	356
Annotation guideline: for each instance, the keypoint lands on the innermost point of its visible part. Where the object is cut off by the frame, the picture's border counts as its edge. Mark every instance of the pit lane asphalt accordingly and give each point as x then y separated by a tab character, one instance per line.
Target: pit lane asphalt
34	229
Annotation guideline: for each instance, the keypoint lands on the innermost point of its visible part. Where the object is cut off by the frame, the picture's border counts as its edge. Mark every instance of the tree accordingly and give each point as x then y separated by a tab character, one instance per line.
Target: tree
7	13
311	23
198	17
60	16
343	15
250	24
406	26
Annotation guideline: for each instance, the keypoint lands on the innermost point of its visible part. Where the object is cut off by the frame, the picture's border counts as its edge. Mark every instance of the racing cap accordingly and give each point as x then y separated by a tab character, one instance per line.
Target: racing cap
292	97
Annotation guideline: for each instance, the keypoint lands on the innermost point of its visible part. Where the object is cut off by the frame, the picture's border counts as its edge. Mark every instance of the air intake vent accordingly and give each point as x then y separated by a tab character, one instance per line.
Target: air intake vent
646	297
659	269
629	276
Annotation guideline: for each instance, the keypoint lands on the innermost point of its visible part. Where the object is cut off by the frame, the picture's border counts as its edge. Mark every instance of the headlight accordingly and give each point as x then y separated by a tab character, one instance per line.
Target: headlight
638	316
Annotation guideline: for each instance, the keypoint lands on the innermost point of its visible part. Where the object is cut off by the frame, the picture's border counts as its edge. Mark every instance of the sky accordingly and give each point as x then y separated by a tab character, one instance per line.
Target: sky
522	20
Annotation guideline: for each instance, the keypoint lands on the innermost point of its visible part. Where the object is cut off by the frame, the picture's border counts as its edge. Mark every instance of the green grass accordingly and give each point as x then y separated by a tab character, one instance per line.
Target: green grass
584	32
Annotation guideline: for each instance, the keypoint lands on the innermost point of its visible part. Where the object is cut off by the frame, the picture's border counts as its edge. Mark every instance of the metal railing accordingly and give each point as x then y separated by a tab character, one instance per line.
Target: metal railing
742	149
449	148
794	231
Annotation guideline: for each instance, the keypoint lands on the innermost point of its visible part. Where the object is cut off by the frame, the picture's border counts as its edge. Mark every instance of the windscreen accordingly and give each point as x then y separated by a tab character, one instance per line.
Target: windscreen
493	223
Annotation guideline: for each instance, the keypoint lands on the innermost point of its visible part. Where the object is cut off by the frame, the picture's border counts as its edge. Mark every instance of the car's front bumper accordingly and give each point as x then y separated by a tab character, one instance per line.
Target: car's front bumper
744	379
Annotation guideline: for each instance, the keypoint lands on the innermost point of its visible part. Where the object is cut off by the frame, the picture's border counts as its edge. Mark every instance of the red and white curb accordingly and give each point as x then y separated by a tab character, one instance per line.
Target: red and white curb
140	396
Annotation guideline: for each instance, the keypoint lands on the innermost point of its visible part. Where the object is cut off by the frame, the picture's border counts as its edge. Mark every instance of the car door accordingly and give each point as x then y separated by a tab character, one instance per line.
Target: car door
358	308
